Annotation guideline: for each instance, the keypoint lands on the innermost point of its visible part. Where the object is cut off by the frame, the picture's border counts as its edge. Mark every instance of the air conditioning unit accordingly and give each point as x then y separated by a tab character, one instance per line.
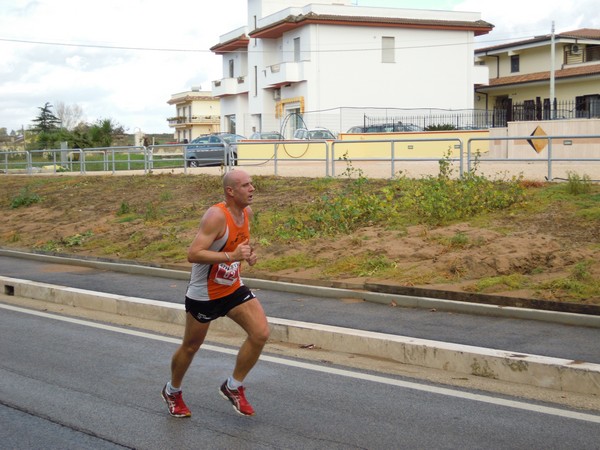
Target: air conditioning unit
575	49
276	94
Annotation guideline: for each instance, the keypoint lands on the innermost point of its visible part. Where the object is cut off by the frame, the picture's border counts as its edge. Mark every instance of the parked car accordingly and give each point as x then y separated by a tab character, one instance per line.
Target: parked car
212	150
314	133
386	128
267	135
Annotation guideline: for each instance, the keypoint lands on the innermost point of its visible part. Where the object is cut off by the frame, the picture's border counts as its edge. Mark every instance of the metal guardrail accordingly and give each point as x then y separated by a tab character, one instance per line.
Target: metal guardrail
281	153
114	159
549	159
393	158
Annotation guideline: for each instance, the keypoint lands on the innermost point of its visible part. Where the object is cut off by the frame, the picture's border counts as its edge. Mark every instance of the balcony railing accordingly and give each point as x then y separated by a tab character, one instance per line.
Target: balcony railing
182	120
283	73
229	86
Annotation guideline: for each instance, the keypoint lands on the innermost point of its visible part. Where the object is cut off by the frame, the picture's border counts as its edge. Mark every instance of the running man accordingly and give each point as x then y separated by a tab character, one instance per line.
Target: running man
216	290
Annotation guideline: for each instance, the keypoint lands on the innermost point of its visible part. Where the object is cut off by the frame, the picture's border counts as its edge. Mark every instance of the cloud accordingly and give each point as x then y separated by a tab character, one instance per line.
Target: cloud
132	87
516	19
63	59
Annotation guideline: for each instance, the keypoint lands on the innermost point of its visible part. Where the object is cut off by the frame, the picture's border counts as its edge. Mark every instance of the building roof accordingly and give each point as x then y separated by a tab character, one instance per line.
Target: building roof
582	33
276	29
191	97
571	72
239	42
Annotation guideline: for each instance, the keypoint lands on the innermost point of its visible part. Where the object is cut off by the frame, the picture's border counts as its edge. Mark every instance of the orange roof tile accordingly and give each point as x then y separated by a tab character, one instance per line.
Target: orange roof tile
579	71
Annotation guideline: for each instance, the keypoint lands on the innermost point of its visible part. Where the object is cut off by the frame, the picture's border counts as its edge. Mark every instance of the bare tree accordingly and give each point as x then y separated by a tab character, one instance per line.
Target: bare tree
70	115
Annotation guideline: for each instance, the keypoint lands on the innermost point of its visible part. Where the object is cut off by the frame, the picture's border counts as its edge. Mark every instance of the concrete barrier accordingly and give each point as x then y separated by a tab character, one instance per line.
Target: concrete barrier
553	373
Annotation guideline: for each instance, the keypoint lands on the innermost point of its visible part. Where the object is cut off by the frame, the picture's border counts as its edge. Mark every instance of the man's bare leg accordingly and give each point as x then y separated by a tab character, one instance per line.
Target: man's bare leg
193	338
251	317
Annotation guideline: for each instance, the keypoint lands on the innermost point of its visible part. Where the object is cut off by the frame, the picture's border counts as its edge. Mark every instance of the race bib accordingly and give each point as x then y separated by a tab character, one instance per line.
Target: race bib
227	274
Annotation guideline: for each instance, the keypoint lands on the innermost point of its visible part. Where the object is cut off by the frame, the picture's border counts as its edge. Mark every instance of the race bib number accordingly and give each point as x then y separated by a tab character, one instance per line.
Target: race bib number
227	274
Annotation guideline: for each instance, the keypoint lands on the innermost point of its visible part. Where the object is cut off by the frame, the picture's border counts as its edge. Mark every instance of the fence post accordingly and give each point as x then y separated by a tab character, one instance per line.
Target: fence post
275	148
29	163
461	169
550	159
393	158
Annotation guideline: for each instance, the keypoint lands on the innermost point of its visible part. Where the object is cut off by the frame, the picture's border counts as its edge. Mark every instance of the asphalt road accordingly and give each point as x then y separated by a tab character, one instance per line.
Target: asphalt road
515	335
73	384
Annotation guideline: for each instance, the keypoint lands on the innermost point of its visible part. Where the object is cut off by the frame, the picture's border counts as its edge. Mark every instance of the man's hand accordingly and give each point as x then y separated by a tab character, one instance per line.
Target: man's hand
244	252
252	258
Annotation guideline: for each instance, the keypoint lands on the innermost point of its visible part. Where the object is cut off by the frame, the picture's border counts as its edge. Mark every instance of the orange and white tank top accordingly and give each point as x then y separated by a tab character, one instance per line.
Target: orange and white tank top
212	281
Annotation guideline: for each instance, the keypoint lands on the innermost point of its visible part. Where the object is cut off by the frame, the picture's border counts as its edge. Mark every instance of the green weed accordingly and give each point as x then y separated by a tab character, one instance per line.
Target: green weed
124	209
577	185
25	198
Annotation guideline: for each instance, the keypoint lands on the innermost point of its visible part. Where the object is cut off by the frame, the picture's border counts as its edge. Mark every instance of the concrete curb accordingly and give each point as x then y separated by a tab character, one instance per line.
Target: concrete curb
553	373
407	301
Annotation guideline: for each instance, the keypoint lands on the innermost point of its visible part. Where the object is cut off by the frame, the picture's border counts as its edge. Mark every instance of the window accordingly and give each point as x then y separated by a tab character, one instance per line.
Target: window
592	53
296	49
587	106
231	72
514	63
388	51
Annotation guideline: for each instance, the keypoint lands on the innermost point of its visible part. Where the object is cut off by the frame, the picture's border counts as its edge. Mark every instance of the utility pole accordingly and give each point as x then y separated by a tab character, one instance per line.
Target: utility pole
552	65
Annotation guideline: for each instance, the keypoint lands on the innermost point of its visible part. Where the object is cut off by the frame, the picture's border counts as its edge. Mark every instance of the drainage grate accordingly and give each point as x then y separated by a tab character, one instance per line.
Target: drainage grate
9	290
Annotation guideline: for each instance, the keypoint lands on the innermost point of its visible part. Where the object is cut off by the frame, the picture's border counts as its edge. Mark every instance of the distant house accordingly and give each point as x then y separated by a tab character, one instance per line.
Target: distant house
520	73
311	58
197	113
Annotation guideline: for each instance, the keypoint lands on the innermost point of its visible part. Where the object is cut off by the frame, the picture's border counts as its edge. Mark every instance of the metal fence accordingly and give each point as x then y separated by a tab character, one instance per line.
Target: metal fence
291	158
549	160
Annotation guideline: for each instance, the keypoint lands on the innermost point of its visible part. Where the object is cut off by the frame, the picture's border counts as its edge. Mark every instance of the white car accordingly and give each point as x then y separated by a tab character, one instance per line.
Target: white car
314	133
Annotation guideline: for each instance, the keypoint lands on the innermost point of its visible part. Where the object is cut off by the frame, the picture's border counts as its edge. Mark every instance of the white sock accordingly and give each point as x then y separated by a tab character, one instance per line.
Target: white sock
171	390
232	383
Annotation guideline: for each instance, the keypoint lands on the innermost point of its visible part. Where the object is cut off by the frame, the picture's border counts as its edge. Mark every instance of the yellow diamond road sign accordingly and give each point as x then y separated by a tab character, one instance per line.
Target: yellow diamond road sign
538	144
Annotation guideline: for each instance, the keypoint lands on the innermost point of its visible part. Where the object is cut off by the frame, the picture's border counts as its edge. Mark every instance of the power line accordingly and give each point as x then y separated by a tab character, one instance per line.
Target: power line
110	47
180	50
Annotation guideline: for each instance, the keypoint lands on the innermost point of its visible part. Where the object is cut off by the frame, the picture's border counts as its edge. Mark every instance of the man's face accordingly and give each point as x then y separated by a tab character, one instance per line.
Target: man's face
243	190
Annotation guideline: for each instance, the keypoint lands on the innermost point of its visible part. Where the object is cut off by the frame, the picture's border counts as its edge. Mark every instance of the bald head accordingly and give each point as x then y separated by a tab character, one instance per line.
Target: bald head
233	178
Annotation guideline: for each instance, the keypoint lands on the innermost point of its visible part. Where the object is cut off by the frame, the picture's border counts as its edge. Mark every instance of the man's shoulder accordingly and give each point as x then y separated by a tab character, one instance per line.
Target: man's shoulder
215	212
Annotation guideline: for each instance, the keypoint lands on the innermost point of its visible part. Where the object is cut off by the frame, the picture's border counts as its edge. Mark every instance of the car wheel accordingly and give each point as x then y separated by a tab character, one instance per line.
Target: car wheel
193	163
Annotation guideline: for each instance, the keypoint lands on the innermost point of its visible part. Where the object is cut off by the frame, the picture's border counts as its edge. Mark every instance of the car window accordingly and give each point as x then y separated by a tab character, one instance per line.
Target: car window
215	140
201	140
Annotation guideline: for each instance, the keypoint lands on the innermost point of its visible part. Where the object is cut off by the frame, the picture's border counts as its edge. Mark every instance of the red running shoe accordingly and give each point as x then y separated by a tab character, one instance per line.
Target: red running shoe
237	399
177	407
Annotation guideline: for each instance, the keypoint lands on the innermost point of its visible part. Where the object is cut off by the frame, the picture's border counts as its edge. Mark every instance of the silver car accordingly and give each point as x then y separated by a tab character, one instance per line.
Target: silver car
212	150
314	133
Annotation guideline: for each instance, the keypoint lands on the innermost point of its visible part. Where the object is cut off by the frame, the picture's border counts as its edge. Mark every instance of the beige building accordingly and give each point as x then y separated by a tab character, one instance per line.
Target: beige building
523	75
197	113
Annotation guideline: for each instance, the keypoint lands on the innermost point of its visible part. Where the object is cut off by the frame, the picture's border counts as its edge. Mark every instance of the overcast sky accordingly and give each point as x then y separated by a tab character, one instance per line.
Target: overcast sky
123	59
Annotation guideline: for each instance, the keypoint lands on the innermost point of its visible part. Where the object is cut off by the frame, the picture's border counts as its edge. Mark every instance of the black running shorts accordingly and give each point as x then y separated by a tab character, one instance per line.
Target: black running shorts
208	310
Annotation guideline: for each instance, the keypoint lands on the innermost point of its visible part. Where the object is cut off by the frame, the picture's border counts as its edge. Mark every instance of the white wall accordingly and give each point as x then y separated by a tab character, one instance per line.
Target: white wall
342	64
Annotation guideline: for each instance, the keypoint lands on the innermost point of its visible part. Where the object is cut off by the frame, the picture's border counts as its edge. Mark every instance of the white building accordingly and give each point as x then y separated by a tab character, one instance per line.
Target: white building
311	59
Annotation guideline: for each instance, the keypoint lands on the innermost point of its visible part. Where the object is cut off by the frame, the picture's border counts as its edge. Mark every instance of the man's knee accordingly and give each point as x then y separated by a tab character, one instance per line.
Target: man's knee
191	347
261	335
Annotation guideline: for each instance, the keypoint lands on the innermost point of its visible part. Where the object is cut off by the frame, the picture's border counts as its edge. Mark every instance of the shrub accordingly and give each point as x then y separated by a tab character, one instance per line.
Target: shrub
25	198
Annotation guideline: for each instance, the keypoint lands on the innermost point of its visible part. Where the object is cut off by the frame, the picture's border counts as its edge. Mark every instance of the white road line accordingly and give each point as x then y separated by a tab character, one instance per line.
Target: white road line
341	372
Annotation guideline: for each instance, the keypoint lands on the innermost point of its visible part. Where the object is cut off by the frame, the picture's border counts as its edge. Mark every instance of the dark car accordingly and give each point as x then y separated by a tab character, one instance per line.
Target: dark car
273	135
212	150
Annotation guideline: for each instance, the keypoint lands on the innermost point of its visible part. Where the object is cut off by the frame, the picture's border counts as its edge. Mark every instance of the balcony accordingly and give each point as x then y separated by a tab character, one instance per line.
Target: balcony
284	73
182	121
229	86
